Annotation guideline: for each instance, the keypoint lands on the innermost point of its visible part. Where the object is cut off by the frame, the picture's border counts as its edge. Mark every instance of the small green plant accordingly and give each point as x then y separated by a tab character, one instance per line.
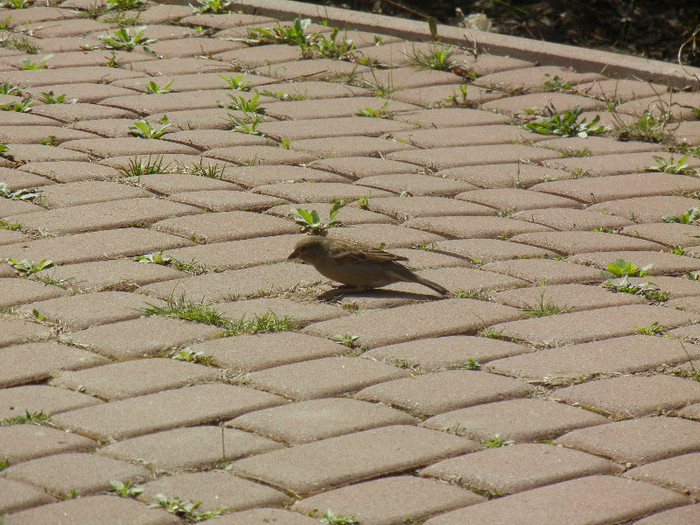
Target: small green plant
690	216
72	494
286	143
154	258
653	329
184	509
543	309
332	47
311	222
671	166
647	290
191	356
678	249
28	64
126	40
24	194
248	128
28	418
49	141
236	83
332	518
570	153
6	225
51	98
181	308
647	128
27	267
16	4
6	88
438	58
125	5
471	364
125	489
19	42
23	106
3	465
348	339
154	89
138	166
555	84
294	34
622	267
375	113
142	128
243	104
692	276
212	6
495	442
460	99
211	171
566	125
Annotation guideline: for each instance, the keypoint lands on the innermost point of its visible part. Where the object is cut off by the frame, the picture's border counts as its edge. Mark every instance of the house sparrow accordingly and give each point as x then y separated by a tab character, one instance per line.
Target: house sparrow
356	265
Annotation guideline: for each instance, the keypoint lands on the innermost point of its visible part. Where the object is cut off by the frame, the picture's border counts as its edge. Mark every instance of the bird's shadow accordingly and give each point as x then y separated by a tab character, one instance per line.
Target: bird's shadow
374	293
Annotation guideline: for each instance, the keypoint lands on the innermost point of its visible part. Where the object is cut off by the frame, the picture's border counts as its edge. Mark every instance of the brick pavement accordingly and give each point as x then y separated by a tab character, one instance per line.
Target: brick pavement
467	409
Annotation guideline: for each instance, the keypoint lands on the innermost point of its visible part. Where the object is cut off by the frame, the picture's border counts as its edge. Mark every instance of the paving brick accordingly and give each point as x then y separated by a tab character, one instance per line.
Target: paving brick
388	235
389	500
333	376
172	183
597	189
189	448
103	215
264	517
225	226
14	207
336	127
226	200
593	499
481	251
216	138
637	441
404	208
619	355
664	263
69	113
33	134
16	291
109	147
216	489
679	473
76	193
136	377
336	461
569	297
678	516
570	219
120	275
446	317
235	284
164	102
465	280
645	209
347	215
348	146
591	325
302	313
16	331
318	192
513	199
186	406
474	226
539	101
518	420
93	511
329	108
440	392
80	311
668	234
358	167
631	396
461	136
41	398
686	333
25	442
253	176
33	362
533	79
256	155
257	352
16	496
69	171
444	158
575	242
511	469
439	353
142	337
504	175
316	419
415	184
46	77
84	473
545	271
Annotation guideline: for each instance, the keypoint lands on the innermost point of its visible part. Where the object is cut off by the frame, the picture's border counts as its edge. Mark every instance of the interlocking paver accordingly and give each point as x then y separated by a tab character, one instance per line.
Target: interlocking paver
93	511
511	469
602	499
33	362
189	448
185	406
619	355
331	462
677	516
390	500
439	392
637	441
516	419
84	473
316	419
474	201
679	473
19	400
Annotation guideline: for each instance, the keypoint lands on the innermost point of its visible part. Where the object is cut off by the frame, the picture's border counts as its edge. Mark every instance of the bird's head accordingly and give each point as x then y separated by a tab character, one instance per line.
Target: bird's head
310	248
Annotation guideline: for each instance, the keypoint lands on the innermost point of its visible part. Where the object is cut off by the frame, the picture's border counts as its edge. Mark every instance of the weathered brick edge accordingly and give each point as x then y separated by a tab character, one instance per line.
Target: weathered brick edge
581	59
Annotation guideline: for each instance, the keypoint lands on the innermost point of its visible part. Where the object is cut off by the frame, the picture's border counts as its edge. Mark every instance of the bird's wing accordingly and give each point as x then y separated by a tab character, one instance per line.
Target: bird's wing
364	255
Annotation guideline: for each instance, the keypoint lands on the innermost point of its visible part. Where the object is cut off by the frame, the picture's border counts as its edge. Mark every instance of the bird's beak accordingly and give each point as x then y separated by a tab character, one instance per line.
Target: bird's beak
293	255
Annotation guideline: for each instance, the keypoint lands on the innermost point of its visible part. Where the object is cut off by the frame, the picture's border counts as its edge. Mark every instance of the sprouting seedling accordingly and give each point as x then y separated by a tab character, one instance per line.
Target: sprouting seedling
155	89
348	339
123	39
142	128
52	98
689	217
622	267
28	267
670	165
566	125
243	104
376	113
28	64
236	83
310	221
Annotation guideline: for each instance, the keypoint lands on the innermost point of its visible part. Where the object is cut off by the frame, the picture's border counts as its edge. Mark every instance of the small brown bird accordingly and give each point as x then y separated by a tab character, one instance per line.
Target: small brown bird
355	265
